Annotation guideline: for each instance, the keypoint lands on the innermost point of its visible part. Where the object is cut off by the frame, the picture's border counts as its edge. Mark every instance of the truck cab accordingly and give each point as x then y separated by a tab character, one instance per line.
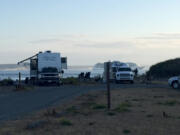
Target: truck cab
49	75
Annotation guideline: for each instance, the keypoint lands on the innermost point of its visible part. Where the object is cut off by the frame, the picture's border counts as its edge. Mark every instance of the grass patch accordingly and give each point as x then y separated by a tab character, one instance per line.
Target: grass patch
169	103
123	107
111	113
65	122
72	109
91	123
36	124
98	106
149	115
70	80
136	100
126	131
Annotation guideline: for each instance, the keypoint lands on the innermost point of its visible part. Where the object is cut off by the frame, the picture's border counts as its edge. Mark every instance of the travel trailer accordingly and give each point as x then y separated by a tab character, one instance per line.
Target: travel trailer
46	67
119	72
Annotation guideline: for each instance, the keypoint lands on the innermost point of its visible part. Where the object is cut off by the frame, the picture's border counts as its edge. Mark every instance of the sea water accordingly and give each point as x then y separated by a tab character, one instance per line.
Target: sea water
72	71
12	71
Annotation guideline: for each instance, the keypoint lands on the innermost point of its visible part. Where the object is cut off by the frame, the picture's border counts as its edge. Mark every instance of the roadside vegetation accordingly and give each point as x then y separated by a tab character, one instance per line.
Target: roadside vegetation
6	82
136	111
165	69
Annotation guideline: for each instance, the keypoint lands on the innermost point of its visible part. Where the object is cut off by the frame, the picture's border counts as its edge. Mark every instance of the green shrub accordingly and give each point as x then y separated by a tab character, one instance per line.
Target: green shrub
169	103
111	113
98	106
65	122
72	109
126	131
7	82
70	80
149	115
123	107
165	69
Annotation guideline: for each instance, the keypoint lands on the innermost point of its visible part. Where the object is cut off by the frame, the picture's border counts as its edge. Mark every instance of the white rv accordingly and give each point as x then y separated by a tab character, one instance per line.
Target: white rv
119	72
46	67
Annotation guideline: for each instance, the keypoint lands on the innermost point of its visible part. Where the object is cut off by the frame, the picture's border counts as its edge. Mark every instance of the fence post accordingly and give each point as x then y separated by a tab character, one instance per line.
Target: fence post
19	85
108	86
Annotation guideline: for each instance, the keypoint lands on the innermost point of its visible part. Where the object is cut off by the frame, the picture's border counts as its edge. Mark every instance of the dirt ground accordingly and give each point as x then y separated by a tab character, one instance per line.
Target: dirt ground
134	111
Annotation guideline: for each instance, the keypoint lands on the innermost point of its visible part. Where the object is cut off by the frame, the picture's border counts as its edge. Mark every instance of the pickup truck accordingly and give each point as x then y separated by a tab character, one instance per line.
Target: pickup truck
124	74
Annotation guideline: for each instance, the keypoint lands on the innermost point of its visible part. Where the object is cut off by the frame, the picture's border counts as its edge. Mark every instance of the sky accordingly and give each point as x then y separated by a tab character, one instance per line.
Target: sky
91	31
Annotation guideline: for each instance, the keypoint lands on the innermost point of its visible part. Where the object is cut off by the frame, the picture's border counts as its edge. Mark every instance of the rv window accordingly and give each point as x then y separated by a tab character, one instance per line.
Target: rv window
33	64
63	60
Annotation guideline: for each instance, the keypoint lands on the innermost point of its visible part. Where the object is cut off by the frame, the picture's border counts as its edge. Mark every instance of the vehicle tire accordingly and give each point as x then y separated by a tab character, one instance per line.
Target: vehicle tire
175	85
132	82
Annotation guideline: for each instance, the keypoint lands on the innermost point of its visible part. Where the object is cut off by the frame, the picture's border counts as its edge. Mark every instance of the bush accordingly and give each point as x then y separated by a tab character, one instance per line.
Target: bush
98	106
70	80
111	113
72	109
6	82
165	69
126	131
123	107
169	103
65	122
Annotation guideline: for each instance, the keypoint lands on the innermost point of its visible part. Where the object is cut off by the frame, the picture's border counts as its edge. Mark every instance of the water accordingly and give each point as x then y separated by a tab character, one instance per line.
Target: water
12	71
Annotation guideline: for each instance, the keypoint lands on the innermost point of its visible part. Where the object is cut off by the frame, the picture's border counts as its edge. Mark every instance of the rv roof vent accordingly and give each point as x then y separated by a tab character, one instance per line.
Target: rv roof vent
48	51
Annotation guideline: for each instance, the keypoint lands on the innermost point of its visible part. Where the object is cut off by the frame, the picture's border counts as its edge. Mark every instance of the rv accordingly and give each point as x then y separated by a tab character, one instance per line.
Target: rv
46	67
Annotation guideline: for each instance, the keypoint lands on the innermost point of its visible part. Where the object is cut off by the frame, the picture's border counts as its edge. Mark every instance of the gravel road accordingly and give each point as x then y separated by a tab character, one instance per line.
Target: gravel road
17	104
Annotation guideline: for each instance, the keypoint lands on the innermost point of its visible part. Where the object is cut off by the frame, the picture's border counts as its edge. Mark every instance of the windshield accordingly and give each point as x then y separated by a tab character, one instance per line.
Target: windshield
49	70
124	69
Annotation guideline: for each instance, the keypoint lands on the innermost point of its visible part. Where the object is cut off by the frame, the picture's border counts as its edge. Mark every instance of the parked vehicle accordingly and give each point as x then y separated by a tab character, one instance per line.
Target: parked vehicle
46	67
174	82
124	74
119	72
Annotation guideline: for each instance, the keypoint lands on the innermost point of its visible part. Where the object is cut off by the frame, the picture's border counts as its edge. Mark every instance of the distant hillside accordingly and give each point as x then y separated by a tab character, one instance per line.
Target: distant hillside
165	69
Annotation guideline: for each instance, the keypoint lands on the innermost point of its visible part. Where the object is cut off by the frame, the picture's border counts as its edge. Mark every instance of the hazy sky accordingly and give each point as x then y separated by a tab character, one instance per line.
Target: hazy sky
91	31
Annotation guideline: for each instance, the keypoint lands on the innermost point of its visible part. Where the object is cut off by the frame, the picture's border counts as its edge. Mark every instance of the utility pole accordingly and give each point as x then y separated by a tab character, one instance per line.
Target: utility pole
108	85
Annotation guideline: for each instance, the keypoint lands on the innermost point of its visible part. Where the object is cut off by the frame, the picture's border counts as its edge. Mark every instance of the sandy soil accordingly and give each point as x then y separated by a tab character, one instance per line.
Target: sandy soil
135	111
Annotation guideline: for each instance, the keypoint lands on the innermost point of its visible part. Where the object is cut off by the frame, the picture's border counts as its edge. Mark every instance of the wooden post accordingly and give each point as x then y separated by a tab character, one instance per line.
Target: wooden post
19	80
108	86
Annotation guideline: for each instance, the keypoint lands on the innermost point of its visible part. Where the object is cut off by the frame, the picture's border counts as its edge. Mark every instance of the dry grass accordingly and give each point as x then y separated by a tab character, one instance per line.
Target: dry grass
134	111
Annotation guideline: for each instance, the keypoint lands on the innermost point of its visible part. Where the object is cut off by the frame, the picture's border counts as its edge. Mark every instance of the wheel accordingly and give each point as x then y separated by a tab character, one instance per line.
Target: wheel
175	85
131	82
